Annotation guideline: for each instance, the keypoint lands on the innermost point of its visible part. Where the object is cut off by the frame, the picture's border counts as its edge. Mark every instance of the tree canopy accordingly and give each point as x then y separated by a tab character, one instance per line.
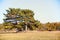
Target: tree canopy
21	18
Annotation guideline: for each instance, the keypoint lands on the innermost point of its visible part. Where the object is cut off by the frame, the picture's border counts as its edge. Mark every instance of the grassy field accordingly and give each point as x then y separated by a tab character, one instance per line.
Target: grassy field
31	35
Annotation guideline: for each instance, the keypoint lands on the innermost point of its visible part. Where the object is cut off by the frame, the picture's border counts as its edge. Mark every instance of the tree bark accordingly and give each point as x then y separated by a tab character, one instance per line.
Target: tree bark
26	28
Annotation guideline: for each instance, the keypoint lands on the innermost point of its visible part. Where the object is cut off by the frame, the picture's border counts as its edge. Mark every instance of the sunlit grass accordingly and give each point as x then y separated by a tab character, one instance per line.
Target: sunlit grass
31	35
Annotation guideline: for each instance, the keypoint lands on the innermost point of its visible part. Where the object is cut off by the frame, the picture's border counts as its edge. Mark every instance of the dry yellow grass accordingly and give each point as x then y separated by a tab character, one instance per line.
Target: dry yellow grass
31	35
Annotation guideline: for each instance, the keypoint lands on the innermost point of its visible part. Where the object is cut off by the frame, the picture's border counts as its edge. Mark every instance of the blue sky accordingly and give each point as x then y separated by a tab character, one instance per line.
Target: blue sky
45	10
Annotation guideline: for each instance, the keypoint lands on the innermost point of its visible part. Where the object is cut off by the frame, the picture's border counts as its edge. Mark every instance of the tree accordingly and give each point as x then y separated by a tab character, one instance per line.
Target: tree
50	26
18	16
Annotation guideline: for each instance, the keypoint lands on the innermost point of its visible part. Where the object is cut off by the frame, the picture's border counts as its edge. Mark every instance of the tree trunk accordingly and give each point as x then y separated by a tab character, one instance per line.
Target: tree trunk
26	28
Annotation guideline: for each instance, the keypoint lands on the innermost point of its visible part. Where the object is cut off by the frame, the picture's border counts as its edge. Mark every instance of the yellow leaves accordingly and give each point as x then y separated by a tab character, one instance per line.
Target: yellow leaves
8	27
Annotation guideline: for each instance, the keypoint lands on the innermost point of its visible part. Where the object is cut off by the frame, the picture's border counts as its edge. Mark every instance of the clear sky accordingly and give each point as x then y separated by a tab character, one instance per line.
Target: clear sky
45	10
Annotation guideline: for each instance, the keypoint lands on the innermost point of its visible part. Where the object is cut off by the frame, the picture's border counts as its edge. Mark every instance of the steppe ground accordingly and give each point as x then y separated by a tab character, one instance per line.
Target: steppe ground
31	35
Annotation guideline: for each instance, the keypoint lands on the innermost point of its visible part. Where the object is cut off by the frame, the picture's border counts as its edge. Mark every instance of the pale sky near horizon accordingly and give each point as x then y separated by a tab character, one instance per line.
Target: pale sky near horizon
45	10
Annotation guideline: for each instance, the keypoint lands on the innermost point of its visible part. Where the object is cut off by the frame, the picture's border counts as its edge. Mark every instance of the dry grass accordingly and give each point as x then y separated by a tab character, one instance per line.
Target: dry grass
31	35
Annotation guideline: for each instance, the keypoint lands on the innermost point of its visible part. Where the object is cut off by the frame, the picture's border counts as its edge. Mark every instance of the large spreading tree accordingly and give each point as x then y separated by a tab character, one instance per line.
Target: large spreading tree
22	19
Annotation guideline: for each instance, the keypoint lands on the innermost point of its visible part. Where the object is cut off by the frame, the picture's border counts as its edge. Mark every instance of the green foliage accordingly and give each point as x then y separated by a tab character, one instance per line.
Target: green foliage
20	25
8	25
32	26
24	15
50	26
